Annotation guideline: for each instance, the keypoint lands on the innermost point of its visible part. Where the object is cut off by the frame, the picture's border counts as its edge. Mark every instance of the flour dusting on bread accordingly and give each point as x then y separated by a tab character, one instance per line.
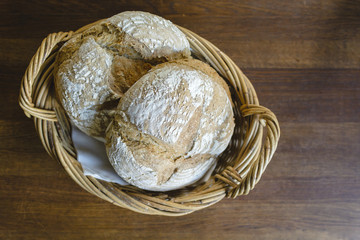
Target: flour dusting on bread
172	123
96	67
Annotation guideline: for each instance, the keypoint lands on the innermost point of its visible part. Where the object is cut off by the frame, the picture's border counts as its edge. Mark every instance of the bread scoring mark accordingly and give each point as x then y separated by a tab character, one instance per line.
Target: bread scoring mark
83	65
165	106
181	110
131	170
152	32
80	75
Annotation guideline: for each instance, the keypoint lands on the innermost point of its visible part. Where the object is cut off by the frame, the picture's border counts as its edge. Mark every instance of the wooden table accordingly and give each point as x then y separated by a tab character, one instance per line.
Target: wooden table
303	59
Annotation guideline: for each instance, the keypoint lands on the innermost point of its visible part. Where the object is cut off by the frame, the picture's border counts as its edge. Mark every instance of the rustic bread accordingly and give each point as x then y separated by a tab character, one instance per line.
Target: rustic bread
170	126
96	67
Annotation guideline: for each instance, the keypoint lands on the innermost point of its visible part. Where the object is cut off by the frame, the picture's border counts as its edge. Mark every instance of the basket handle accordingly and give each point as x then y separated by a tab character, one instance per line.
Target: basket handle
231	175
30	79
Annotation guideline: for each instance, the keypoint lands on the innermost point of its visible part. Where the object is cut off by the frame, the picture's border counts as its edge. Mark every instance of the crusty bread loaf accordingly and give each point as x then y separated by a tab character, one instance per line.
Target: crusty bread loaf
96	67
170	126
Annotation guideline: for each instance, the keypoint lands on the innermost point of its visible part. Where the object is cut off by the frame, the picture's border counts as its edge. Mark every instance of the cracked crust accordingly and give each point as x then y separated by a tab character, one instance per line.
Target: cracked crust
96	67
170	126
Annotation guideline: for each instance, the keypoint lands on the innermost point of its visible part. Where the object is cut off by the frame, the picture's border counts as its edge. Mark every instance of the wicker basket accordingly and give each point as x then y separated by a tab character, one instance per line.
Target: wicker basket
239	169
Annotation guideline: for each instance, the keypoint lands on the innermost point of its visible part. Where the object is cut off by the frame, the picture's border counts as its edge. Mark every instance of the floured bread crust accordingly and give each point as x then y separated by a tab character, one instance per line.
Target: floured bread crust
140	29
88	68
96	67
170	126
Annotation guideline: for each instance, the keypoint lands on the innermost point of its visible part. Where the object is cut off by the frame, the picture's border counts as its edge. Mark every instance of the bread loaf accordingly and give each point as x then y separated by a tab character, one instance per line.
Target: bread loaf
170	126
96	67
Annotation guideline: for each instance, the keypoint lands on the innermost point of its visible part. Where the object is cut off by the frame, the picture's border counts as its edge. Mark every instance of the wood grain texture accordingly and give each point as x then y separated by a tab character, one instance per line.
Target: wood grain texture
303	59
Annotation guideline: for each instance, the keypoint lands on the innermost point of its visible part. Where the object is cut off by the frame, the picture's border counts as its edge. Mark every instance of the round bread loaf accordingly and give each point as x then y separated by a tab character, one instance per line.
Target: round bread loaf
96	67
170	126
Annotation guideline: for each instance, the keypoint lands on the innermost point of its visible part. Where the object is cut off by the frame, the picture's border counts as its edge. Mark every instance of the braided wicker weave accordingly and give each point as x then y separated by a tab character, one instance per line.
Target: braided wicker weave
239	169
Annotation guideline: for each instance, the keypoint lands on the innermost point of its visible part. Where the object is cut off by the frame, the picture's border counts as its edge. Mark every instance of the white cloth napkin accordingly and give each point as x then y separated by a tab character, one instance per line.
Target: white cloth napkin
91	154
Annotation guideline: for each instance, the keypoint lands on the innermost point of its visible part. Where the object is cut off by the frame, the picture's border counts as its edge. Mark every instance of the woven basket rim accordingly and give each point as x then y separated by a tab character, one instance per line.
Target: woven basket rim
255	147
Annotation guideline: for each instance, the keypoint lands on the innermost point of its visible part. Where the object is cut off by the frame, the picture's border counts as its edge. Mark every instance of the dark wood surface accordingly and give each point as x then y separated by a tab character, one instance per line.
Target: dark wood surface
302	57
